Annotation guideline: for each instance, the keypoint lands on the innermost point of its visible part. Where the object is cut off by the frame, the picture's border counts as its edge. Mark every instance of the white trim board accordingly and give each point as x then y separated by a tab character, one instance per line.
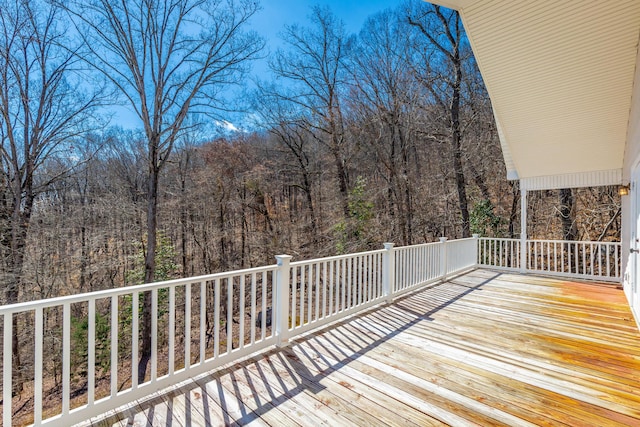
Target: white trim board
572	180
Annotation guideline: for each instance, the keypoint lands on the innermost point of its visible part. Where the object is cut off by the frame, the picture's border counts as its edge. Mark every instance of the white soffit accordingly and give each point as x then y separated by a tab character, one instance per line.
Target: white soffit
560	76
572	180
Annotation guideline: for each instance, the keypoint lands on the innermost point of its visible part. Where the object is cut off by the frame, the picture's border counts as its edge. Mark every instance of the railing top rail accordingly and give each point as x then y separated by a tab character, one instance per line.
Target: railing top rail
336	257
417	246
504	239
550	240
595	242
465	239
107	293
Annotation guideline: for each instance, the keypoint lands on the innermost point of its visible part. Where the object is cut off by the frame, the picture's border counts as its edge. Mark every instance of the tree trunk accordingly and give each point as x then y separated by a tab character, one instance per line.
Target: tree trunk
183	224
149	266
84	253
567	214
408	197
18	243
342	176
390	192
224	259
456	145
243	225
312	213
22	202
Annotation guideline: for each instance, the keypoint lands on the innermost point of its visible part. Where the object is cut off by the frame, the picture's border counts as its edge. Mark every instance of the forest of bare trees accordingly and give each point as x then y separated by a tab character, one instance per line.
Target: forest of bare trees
385	135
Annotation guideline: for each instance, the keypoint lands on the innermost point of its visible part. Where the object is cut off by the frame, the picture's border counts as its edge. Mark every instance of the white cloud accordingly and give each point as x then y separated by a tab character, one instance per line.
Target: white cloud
229	126
226	126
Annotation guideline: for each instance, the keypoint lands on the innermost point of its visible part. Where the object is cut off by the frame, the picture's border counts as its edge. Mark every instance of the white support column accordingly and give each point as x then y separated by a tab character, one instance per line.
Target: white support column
524	256
477	248
280	311
388	272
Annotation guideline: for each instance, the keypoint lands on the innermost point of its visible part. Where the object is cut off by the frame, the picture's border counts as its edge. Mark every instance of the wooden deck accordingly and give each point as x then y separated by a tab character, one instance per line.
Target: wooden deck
485	348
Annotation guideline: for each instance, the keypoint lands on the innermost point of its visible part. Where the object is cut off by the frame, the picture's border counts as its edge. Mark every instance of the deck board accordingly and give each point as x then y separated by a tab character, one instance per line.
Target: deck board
484	348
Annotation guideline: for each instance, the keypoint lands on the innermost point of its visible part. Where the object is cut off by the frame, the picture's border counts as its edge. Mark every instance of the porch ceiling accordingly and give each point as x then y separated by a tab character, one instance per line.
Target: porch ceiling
560	76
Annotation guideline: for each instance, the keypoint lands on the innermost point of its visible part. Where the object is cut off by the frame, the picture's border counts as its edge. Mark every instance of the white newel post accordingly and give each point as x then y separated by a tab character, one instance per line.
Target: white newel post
476	248
388	272
7	373
281	307
443	258
523	229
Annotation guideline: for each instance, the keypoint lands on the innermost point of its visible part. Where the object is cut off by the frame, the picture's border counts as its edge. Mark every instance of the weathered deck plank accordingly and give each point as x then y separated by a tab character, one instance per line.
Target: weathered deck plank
522	389
485	348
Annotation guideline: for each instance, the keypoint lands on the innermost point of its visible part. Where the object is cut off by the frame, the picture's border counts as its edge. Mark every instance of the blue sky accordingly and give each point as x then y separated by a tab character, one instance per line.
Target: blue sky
275	14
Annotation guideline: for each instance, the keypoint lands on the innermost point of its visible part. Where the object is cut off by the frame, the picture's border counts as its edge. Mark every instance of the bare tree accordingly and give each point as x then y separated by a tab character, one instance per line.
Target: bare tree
168	59
445	51
43	108
286	122
385	100
314	66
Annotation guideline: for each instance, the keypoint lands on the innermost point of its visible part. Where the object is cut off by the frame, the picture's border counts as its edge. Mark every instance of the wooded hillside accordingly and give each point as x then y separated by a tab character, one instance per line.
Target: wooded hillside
387	135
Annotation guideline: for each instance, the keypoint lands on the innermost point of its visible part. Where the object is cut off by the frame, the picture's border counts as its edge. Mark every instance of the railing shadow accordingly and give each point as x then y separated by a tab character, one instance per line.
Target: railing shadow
251	389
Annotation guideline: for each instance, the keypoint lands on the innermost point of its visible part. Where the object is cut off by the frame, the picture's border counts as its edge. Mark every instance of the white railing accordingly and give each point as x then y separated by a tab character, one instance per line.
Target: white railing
460	255
584	260
590	260
499	253
200	310
324	290
91	341
415	265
